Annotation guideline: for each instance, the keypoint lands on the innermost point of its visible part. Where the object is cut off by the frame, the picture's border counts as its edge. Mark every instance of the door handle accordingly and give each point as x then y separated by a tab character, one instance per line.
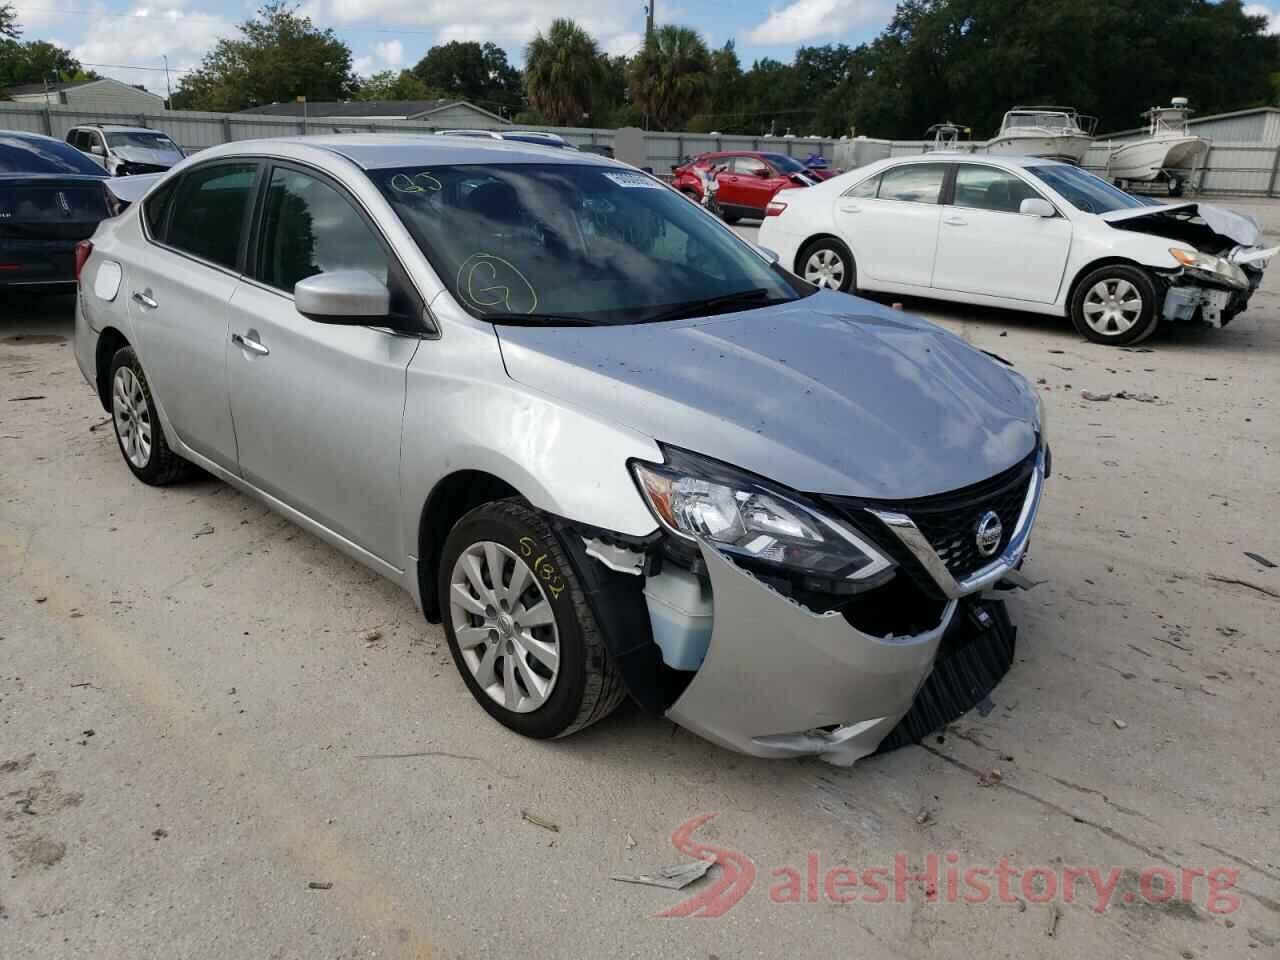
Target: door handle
956	222
253	346
850	208
144	297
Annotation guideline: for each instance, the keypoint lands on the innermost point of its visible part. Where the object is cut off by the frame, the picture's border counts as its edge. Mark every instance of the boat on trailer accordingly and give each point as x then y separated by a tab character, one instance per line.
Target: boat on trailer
1058	133
1169	152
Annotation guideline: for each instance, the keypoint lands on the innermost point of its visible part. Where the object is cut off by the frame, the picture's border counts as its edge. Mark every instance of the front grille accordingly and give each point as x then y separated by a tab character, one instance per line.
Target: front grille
949	521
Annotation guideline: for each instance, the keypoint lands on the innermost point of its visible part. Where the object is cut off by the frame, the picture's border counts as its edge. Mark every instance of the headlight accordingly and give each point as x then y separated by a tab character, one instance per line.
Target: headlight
699	499
1209	267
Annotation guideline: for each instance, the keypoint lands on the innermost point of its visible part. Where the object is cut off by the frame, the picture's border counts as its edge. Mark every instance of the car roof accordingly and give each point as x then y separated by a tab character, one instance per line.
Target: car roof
116	128
373	151
995	159
28	135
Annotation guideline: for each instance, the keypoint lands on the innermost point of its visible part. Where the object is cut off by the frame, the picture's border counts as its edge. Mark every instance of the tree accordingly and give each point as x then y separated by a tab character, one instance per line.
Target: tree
561	67
395	85
9	29
278	57
471	71
669	77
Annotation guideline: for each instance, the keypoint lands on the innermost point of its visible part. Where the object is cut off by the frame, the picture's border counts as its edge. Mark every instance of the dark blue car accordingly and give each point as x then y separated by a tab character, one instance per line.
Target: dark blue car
51	197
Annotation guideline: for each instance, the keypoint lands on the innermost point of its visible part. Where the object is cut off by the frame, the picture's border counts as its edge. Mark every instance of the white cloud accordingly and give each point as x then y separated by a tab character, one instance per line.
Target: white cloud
391	53
142	36
362	66
623	44
808	19
508	23
33	14
1261	10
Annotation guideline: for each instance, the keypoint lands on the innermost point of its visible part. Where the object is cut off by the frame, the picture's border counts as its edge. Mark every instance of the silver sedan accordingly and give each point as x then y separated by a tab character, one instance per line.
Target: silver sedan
614	448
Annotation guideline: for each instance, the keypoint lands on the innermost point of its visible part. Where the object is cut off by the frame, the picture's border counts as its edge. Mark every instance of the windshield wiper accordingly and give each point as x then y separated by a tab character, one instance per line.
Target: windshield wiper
539	320
697	308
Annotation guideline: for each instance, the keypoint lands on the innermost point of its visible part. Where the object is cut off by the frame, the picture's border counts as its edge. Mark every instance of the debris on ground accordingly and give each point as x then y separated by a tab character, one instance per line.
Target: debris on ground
38	396
1140	397
1245	583
1051	924
924	816
101	423
539	821
630	842
82	683
41	599
1120	724
370	637
1259	558
991	778
1095	397
159	833
319	885
675	877
203	531
1136	350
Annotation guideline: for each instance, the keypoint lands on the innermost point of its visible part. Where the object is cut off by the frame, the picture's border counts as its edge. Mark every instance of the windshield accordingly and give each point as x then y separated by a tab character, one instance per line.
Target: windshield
784	163
560	243
140	138
23	155
1083	190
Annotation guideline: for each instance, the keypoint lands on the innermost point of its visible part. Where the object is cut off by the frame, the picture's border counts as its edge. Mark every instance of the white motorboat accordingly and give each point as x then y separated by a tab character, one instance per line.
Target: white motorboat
1169	152
1059	133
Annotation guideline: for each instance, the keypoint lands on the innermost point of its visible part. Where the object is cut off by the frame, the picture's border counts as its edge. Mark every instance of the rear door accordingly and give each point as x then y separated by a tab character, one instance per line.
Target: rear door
986	246
890	222
318	407
178	297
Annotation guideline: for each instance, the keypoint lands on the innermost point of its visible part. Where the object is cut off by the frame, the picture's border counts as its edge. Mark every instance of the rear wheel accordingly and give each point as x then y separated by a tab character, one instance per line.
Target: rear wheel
827	263
519	628
137	425
1115	304
731	218
1176	185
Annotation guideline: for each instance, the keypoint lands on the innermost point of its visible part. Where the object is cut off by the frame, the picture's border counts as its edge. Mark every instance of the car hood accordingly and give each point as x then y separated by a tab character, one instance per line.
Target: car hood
830	394
150	155
1227	224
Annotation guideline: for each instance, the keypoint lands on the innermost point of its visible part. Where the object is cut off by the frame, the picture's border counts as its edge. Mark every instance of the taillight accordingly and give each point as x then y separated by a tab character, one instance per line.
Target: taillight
775	208
83	249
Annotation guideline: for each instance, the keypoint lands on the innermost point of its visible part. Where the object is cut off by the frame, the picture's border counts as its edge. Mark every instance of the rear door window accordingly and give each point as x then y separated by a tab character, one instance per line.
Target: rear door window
19	154
913	183
209	212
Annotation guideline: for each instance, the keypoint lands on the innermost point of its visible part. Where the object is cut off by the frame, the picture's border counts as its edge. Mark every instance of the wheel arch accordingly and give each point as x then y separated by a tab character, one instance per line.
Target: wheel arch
809	241
449	500
1093	265
110	340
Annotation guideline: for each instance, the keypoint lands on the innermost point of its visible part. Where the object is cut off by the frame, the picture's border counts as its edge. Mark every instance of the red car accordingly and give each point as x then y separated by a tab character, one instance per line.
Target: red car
748	180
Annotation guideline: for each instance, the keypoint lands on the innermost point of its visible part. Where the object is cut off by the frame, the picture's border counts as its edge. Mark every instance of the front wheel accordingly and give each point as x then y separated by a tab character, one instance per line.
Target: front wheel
827	263
1115	305
519	628
1176	185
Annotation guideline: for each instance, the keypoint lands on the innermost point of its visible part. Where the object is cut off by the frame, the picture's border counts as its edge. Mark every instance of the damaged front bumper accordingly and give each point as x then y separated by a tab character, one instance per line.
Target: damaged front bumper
1214	298
780	680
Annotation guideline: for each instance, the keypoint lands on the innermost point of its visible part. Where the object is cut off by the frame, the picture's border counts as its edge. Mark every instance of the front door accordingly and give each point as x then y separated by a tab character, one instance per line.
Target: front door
178	296
891	223
318	407
986	246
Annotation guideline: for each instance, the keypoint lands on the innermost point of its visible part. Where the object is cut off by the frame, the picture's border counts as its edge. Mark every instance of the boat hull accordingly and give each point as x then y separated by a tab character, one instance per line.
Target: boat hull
1069	147
1152	159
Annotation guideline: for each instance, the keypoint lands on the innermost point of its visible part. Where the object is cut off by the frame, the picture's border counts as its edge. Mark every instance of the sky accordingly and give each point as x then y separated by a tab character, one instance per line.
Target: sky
128	40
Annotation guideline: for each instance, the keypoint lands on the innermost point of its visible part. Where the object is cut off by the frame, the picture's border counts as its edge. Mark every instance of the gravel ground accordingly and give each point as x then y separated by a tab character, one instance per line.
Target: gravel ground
195	725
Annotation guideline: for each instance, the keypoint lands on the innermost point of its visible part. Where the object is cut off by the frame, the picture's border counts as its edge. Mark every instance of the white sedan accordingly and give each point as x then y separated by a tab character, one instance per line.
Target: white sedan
1019	232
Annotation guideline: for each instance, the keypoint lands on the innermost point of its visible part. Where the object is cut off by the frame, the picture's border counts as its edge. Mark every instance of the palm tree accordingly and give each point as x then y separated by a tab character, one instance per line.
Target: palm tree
669	77
560	68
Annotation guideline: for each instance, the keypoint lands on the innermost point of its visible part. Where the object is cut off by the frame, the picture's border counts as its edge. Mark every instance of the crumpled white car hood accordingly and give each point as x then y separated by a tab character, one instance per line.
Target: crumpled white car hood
1238	227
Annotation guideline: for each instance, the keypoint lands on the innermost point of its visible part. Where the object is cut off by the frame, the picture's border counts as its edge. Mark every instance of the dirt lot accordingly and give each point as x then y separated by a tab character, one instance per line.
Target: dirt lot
195	724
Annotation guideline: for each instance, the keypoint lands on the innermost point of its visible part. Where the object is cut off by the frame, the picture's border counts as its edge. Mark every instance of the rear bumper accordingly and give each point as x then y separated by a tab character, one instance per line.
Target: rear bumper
37	263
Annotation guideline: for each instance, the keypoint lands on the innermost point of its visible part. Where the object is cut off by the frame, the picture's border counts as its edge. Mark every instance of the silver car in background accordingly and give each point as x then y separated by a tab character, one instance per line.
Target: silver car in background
614	448
125	151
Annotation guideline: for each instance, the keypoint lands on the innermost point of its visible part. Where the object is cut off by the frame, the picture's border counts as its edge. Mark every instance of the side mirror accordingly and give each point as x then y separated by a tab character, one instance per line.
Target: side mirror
1036	207
345	296
96	149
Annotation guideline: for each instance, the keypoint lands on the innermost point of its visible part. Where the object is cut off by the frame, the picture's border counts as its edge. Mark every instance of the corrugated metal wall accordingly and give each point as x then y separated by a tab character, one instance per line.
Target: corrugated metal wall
1246	166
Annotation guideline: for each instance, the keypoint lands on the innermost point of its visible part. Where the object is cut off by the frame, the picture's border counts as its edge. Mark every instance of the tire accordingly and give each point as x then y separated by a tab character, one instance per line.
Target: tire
137	425
1115	305
584	686
828	264
1176	185
731	218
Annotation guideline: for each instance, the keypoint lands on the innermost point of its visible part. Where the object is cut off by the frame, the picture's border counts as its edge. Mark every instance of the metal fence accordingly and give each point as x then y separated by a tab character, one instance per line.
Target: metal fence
1247	169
